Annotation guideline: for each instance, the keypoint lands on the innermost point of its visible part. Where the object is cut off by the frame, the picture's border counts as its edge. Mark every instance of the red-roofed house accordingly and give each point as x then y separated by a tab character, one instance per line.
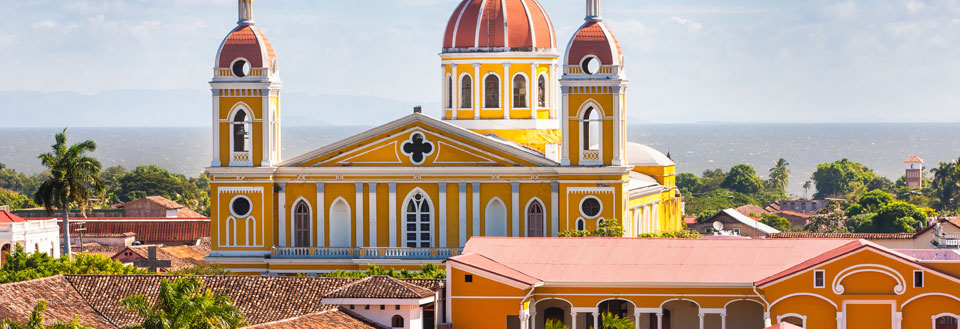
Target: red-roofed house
699	283
33	234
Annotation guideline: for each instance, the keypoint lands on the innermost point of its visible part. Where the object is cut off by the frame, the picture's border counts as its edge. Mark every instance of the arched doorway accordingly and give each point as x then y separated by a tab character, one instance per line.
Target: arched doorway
746	314
535	222
495	218
340	224
301	225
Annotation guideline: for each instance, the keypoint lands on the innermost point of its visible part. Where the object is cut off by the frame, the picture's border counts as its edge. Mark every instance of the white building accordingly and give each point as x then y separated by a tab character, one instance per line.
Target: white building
34	235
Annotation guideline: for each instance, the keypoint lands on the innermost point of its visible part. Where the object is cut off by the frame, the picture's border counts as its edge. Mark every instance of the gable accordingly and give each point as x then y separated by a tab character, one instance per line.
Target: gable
420	141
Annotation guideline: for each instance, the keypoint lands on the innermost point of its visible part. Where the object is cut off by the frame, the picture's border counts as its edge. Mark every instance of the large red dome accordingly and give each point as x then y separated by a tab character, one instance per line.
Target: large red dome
594	39
499	25
248	42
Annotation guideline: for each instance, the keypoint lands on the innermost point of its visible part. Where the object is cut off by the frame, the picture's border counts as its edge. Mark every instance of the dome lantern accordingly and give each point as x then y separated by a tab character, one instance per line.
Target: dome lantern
245	8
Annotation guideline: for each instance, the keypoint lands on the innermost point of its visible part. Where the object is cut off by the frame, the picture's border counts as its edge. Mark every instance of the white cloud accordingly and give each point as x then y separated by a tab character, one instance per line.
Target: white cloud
915	5
843	10
44	24
689	23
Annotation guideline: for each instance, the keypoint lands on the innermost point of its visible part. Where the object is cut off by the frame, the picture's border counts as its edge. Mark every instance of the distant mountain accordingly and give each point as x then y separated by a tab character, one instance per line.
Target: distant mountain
185	108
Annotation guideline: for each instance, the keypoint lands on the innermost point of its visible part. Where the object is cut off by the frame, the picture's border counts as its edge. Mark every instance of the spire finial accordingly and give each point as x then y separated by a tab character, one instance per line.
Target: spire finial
593	11
245	12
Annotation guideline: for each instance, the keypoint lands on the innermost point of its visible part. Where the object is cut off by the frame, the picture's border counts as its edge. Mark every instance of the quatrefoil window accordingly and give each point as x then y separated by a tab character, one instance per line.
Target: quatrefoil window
417	148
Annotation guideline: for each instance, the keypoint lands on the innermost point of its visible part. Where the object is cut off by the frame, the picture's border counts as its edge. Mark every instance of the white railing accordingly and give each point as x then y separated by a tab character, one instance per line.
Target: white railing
364	253
241	158
604	69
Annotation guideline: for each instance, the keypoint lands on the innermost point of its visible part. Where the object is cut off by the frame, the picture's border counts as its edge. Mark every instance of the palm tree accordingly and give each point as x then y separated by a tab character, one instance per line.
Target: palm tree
36	321
72	175
946	184
780	174
554	324
806	188
613	321
183	304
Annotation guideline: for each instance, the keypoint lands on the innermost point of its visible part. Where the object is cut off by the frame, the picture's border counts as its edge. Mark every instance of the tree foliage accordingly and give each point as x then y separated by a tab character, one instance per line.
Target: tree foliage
827	220
606	228
185	304
23	266
36	320
427	271
777	222
152	180
18	182
946	187
614	321
743	179
779	175
15	200
554	324
838	178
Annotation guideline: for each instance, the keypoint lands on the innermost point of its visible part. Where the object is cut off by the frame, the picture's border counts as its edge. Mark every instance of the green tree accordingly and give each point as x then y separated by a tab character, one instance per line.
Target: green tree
607	228
554	324
185	304
18	182
780	175
899	217
23	266
874	200
946	186
861	223
689	183
777	222
36	320
838	178
743	178
806	187
827	220
428	271
613	321
716	200
73	174
151	180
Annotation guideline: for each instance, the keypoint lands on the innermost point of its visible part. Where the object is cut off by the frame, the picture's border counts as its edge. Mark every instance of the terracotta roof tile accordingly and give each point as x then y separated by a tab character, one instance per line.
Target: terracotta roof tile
63	303
381	287
8	217
496	24
913	159
793	213
330	319
816	235
432	284
151	230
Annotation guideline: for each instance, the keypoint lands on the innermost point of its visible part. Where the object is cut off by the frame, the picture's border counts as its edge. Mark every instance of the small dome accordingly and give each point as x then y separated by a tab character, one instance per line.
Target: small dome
499	25
642	155
247	42
594	38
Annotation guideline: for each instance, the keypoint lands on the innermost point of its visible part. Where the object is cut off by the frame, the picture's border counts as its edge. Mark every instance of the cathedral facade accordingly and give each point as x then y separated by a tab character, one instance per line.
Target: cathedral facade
531	142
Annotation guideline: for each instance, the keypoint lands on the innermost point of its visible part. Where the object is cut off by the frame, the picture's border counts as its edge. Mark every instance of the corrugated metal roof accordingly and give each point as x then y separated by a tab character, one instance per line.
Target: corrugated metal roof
148	230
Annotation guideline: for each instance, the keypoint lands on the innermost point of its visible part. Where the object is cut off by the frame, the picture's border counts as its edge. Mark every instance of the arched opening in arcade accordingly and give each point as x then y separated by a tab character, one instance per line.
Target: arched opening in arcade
556	310
745	314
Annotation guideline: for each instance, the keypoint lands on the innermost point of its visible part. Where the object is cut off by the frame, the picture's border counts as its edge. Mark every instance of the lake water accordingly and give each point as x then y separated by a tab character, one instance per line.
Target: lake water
695	147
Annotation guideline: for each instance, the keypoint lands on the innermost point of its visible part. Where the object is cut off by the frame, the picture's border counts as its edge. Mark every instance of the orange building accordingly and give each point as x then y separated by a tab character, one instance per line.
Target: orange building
701	283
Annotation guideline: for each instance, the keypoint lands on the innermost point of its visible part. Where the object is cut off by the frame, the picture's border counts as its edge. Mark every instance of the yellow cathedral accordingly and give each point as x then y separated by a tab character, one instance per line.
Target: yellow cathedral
531	142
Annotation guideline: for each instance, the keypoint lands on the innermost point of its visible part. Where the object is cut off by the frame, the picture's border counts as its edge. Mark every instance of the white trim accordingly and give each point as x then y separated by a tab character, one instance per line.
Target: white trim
615	298
378	301
448	90
745	300
583	121
553	42
526	216
933	318
803	318
358	189
614	52
587	57
506	32
456	28
409	140
403	217
348	222
526	80
460	92
321	216
837	284
533	31
240	196
580	207
293	222
680	299
546	90
476	37
251	231
234	62
923	279
804	294
373	204
486	217
393	144
580	223
928	294
483	92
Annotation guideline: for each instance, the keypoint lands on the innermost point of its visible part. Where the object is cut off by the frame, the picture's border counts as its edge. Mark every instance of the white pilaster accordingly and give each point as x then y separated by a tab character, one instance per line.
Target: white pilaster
554	209
266	149
660	320
462	205
565	148
477	87
723	319
476	209
321	215
701	319
596	320
515	204
282	212
533	92
392	207
216	129
617	129
442	215
373	215
358	187
455	96
840	324
636	319
573	320
506	91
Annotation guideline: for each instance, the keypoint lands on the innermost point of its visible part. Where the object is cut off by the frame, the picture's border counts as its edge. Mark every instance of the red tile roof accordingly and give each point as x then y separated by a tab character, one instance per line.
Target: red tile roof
817	235
63	303
159	230
381	287
8	217
330	319
913	159
245	41
594	38
793	213
182	211
496	24
694	261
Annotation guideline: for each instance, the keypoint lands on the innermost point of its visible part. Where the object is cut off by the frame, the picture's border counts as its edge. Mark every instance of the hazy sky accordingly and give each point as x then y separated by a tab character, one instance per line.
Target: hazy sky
694	60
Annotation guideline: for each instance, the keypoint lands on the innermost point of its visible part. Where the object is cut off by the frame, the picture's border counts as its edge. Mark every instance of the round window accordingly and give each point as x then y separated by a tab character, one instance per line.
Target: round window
591	65
241	67
590	207
240	207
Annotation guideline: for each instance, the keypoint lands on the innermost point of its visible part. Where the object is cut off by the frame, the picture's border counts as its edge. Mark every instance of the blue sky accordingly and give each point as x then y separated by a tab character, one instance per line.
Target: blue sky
696	60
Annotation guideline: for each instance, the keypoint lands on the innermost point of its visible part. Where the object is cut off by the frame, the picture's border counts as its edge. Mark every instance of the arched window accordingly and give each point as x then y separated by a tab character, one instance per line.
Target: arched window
466	92
542	91
581	225
795	320
495	218
449	100
396	321
419	221
340	219
946	322
242	128
591	129
535	219
301	222
554	313
519	91
491	92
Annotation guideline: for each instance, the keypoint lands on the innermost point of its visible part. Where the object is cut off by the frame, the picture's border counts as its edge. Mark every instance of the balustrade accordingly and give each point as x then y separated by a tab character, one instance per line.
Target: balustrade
364	253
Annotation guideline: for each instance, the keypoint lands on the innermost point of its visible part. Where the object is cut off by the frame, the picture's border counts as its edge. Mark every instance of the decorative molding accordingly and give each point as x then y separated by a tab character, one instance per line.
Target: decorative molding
239	189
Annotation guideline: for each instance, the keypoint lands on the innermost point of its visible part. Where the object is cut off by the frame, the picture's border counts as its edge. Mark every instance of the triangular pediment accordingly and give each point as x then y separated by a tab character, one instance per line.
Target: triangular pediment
420	141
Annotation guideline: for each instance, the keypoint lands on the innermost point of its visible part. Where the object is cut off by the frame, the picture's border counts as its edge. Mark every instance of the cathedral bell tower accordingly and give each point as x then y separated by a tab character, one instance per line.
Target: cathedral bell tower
593	88
246	97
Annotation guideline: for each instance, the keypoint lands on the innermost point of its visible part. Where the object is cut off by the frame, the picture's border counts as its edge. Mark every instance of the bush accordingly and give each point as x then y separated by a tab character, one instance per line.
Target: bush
21	266
428	271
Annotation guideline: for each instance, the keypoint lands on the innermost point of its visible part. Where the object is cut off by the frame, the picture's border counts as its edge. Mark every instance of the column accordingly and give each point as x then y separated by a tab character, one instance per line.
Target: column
373	215
701	319
554	98
358	187
455	96
660	320
507	101
617	129
216	129
573	320
723	319
533	318
442	215
392	207
267	130
476	209
596	320
321	215
282	212
515	201
477	87
533	91
636	319
565	148
555	209
462	204
443	92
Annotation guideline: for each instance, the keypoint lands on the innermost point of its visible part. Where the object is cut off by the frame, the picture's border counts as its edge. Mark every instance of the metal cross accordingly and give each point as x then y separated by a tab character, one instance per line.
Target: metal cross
152	263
